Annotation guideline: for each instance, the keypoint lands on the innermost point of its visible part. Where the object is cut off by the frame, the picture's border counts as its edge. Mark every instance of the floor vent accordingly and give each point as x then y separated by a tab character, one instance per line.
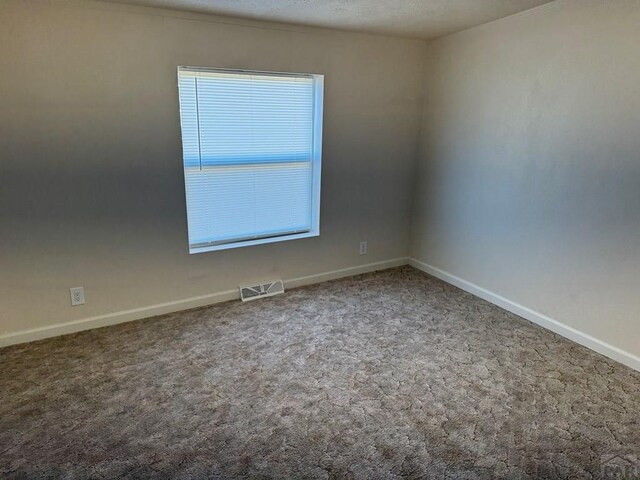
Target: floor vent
266	289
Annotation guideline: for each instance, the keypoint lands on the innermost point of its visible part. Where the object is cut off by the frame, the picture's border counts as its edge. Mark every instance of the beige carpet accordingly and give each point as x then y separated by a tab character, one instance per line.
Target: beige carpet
387	375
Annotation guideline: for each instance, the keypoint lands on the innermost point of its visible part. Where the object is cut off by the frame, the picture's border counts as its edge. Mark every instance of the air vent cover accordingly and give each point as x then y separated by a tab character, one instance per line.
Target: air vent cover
259	290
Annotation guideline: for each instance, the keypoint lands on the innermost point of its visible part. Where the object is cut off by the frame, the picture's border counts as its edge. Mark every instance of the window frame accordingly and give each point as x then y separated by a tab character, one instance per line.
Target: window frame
316	162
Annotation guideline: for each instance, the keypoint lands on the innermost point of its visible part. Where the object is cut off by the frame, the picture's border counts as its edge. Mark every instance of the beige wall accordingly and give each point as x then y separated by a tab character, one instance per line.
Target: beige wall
529	177
91	179
527	185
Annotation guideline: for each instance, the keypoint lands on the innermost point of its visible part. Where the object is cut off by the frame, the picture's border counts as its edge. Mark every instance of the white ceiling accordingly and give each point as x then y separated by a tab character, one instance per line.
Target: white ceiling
412	18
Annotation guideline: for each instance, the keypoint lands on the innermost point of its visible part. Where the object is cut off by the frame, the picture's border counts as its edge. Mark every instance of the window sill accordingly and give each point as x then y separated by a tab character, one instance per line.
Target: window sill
249	243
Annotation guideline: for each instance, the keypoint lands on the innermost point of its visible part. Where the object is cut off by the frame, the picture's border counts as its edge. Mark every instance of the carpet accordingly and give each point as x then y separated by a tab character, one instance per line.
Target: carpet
393	374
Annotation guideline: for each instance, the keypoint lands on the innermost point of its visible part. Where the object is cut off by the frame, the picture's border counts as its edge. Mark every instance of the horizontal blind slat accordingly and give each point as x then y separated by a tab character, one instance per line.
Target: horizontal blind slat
247	152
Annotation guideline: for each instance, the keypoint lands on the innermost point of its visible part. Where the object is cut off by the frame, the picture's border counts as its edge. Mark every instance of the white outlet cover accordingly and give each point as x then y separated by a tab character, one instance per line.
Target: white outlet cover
363	248
77	296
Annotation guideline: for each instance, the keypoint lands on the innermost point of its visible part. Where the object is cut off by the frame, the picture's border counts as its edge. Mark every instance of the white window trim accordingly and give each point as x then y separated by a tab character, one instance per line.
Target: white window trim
316	166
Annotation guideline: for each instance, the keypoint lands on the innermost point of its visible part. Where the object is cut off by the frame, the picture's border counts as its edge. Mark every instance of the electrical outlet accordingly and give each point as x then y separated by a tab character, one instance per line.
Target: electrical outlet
77	296
363	248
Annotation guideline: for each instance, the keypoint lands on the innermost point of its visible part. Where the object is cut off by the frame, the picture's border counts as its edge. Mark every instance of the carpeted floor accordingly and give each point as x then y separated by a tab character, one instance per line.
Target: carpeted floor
387	375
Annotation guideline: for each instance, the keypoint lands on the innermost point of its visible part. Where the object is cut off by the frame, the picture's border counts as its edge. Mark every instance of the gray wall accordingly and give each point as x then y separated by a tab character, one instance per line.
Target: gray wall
529	176
91	179
528	181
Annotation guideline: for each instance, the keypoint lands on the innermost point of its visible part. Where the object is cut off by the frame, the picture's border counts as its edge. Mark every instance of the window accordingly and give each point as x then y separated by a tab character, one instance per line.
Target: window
251	146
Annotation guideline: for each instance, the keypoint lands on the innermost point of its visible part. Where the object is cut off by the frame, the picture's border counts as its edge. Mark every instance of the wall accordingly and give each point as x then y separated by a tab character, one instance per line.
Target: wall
92	186
528	184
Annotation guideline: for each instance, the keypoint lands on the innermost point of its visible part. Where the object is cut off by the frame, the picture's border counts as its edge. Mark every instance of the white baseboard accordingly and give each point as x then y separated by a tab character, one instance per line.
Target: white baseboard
178	305
555	326
123	316
345	272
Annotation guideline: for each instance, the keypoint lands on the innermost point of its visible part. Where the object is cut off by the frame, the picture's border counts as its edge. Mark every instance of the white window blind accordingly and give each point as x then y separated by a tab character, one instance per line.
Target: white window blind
251	151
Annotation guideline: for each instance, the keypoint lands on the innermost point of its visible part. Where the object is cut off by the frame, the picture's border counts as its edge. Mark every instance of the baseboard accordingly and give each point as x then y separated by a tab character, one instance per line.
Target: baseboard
549	323
123	316
178	305
345	272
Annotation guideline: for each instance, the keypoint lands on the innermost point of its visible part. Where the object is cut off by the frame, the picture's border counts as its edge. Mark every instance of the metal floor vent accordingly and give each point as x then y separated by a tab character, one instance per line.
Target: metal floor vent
266	289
